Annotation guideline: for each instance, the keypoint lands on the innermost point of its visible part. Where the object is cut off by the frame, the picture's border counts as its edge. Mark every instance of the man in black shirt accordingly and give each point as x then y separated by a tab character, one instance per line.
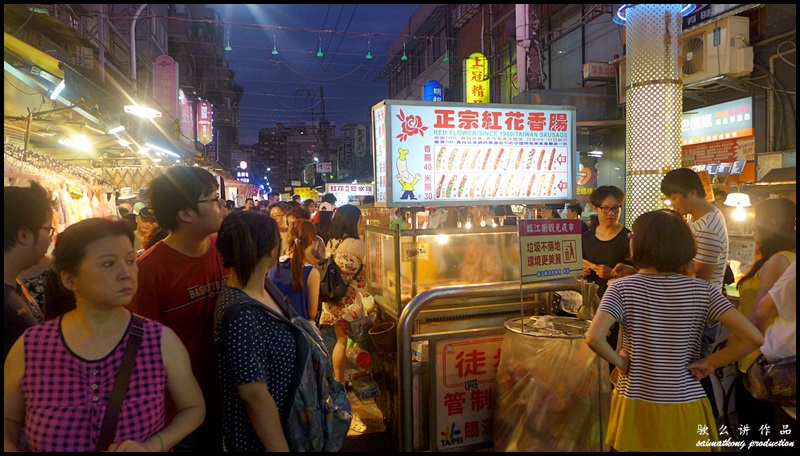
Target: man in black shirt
27	234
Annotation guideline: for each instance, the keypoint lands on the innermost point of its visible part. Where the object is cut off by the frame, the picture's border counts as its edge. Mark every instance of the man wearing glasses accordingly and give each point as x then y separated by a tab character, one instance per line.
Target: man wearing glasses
180	279
27	234
278	211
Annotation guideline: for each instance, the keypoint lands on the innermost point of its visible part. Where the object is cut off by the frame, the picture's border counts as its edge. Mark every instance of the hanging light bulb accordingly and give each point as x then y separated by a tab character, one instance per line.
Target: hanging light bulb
404	57
740	201
228	45
319	51
369	49
274	44
446	55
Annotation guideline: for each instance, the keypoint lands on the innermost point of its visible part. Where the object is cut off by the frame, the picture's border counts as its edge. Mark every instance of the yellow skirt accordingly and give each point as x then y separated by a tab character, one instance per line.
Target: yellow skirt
639	425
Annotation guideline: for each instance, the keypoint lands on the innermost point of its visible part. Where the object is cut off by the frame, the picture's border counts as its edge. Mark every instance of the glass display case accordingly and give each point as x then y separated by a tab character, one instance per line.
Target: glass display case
403	263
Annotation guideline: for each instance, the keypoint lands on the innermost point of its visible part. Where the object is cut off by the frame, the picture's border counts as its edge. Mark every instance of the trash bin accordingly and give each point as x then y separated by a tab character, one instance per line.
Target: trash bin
553	392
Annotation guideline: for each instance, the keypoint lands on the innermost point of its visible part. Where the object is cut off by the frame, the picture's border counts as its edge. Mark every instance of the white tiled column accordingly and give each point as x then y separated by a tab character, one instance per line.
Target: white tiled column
654	104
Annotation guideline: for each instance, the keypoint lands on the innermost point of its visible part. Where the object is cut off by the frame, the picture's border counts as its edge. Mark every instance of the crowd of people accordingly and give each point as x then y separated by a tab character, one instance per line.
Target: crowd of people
206	378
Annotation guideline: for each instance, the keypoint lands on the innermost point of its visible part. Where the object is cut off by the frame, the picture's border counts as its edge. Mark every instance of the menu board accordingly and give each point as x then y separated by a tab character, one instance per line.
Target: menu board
452	154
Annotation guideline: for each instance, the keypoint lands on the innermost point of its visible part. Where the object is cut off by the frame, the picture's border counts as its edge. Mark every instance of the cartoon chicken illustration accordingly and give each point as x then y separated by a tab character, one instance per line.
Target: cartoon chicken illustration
404	177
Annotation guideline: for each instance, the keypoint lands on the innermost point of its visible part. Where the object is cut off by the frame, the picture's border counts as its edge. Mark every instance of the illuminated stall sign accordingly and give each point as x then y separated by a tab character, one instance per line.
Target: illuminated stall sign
433	91
465	401
379	140
550	249
204	114
476	77
452	154
730	120
348	193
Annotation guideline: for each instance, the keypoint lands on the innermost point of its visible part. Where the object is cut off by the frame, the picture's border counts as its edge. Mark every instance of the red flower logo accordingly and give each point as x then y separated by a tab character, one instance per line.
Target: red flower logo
411	126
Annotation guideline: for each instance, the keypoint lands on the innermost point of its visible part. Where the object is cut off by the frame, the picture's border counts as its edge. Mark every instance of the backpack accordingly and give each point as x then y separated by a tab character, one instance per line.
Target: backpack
319	412
332	286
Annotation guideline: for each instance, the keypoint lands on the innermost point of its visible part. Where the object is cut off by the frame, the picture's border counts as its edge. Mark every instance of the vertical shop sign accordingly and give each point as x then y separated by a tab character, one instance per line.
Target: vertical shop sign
165	88
204	113
476	77
379	130
550	249
465	402
186	118
347	162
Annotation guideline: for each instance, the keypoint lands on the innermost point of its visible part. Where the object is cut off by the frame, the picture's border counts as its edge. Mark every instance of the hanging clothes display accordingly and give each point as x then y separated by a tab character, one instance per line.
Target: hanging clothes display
78	192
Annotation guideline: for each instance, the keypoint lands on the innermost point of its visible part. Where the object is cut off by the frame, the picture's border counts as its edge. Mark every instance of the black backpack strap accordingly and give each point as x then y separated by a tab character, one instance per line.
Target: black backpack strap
109	427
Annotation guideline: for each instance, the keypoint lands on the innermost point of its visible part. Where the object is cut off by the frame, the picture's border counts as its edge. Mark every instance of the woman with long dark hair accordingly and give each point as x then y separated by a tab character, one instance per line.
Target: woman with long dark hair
256	353
776	247
348	251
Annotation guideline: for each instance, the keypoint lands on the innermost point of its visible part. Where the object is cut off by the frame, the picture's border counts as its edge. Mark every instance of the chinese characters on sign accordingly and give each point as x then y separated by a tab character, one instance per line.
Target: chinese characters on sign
379	130
456	153
204	114
476	78
730	120
465	399
165	88
550	249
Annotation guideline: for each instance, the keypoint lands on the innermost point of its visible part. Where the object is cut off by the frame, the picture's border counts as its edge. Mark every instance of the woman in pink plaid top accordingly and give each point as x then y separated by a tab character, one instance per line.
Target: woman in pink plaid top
59	374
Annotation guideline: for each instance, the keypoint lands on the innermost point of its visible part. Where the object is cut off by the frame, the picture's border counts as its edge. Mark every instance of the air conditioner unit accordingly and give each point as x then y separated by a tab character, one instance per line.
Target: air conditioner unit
719	48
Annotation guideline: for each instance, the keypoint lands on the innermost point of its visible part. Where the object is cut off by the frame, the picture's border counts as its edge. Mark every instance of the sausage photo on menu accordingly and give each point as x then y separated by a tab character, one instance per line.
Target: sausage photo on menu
531	155
519	159
486	158
439	186
451	186
475	158
524	185
539	164
461	186
497	185
487	186
440	158
550	186
451	161
530	184
473	185
541	182
552	156
463	161
497	160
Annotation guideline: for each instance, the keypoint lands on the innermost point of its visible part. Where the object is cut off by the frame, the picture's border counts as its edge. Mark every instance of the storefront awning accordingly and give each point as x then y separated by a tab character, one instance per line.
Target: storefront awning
40	59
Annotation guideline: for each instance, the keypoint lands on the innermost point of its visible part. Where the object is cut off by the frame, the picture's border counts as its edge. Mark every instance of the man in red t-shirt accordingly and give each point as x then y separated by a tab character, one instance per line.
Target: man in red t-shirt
181	277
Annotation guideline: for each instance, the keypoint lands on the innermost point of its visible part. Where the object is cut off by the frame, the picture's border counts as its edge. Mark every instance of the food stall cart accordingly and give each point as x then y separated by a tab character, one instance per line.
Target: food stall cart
446	293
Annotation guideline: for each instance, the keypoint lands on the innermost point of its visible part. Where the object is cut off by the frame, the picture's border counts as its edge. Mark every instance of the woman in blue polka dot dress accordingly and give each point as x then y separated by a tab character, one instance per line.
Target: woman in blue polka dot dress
254	350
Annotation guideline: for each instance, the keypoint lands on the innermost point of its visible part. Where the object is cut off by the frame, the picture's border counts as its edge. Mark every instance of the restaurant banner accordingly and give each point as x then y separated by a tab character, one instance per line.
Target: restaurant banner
451	154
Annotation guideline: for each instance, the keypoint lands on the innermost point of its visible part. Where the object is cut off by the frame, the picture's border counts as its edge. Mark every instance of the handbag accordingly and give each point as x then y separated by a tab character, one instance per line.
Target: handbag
109	427
775	383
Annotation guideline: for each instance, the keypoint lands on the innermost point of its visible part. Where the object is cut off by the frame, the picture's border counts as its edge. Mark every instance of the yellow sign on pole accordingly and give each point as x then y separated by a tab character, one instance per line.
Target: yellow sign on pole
476	76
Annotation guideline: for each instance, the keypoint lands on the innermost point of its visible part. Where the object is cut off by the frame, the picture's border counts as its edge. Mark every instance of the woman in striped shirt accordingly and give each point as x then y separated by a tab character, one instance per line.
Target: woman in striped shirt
658	403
